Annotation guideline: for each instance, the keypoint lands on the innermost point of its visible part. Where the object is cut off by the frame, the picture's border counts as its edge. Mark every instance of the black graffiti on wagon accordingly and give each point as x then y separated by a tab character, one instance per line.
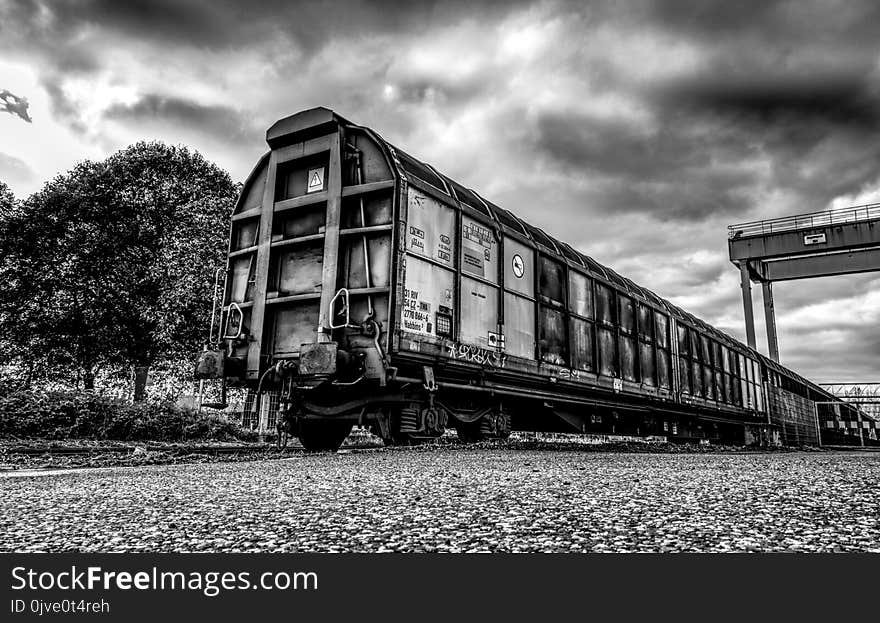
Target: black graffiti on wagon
569	373
475	354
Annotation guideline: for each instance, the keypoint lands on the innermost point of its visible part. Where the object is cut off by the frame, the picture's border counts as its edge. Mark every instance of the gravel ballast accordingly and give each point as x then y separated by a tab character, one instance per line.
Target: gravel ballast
456	499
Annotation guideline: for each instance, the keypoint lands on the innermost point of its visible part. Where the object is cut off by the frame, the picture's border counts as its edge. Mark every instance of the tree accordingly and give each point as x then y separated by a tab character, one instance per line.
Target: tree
114	260
7	200
9	207
53	272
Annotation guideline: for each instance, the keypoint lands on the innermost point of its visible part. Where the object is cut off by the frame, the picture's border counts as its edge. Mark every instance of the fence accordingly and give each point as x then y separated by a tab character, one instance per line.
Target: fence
795	417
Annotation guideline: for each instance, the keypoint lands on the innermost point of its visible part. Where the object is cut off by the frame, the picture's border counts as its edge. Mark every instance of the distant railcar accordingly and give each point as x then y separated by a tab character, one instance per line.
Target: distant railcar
363	286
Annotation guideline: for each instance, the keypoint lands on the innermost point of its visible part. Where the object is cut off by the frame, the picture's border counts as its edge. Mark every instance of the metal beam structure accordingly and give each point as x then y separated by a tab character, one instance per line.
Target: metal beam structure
770	318
861	261
864	395
819	244
747	305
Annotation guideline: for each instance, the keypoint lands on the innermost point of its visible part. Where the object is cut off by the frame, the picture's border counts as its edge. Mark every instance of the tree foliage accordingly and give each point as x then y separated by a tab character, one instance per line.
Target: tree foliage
112	262
7	200
8	208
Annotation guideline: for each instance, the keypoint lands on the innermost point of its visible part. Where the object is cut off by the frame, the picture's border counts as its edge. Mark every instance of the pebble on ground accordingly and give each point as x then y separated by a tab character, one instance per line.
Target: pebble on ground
456	500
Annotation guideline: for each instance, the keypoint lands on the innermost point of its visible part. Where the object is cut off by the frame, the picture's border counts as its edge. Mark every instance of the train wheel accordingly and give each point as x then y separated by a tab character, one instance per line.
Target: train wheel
323	435
388	430
391	438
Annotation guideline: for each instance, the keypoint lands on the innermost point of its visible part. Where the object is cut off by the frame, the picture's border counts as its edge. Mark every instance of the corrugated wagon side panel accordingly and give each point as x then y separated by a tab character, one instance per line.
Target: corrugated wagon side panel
430	228
479	313
519	303
519	326
428	299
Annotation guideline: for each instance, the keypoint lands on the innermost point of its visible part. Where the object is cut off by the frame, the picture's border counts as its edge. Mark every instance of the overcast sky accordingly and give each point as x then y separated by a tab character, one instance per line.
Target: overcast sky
636	131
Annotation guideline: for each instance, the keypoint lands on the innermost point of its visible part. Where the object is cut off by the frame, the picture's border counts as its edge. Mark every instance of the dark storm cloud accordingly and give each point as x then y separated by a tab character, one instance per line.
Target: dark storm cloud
705	195
198	23
821	139
680	171
72	37
704	272
785	97
797	81
707	306
45	32
792	117
439	89
231	23
840	102
852	359
613	146
60	105
712	18
800	294
820	133
783	21
210	120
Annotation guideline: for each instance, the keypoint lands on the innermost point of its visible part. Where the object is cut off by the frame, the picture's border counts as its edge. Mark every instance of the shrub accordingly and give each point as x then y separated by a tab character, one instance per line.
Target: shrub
62	414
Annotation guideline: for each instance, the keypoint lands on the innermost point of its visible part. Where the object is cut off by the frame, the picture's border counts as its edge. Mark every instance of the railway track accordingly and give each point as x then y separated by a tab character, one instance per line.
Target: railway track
16	460
355	442
81	450
178	450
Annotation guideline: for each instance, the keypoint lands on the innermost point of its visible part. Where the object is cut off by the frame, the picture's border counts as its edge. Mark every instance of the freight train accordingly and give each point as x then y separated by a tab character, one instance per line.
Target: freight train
363	286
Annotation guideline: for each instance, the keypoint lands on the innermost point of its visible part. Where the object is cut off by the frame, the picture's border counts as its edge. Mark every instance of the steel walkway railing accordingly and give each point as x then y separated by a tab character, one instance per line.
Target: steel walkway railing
805	221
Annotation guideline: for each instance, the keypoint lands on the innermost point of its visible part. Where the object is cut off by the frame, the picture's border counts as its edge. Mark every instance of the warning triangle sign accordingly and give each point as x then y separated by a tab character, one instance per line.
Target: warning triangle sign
316	180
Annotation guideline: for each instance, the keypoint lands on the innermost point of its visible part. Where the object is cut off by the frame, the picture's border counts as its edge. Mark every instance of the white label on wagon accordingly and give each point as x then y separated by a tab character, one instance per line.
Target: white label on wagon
427	298
478	250
495	340
814	239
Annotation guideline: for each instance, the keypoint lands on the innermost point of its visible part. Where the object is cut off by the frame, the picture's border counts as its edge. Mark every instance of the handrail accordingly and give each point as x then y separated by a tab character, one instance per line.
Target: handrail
211	339
810	220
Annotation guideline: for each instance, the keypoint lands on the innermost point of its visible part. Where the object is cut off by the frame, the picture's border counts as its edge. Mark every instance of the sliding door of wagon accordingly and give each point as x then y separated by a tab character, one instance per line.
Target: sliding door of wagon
580	296
479	286
627	355
429	282
553	314
519	299
664	357
653	329
606	329
647	345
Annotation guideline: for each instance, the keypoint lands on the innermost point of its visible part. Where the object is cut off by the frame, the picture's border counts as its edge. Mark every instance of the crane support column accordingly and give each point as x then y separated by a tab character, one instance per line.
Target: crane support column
770	318
747	304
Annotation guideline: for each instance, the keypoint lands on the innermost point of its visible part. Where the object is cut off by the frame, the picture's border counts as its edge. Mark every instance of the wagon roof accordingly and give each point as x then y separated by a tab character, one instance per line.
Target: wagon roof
316	121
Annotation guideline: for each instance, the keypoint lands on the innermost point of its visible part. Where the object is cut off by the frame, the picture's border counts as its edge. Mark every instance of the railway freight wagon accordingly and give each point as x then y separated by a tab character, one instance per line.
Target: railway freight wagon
365	287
